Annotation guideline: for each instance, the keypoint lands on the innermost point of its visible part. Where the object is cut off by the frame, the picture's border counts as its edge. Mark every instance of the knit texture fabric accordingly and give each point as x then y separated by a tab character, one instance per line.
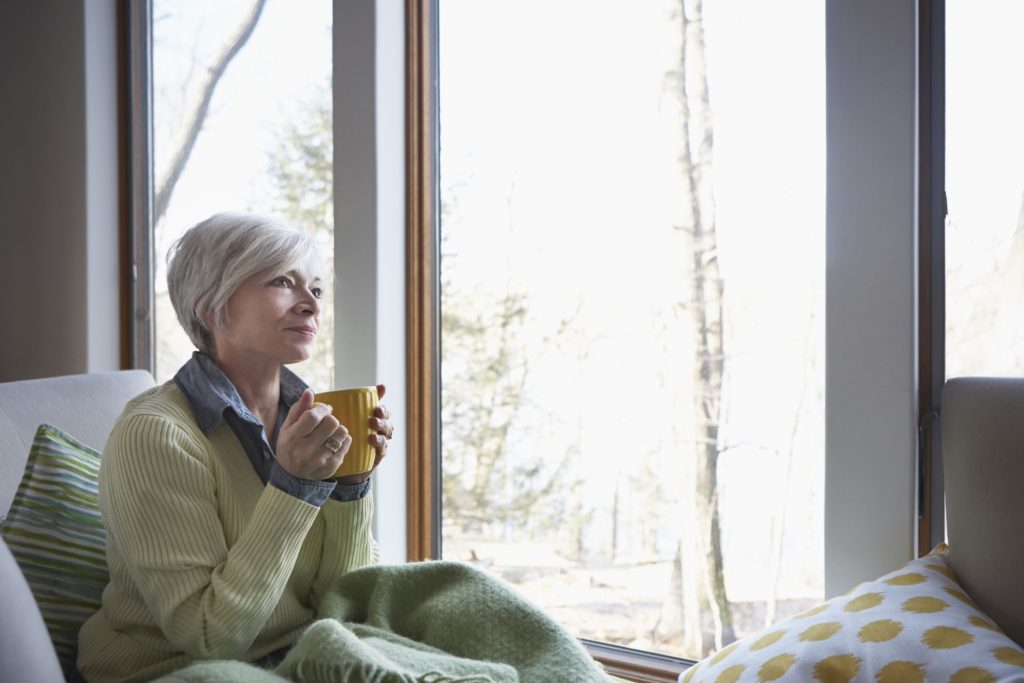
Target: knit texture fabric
426	622
205	561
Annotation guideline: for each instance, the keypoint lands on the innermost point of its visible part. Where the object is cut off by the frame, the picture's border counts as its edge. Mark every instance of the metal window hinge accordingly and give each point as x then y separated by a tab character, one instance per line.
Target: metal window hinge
923	424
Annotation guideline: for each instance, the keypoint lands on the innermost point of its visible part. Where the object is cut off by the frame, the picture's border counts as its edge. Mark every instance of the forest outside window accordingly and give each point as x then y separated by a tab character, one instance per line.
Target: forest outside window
631	292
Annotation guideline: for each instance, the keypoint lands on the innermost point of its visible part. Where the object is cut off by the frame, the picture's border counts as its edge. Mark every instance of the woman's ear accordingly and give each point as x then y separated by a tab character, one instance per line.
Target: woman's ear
207	318
208	332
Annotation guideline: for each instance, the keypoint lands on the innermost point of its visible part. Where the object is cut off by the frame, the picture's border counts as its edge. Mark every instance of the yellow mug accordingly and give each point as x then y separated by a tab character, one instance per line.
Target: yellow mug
353	408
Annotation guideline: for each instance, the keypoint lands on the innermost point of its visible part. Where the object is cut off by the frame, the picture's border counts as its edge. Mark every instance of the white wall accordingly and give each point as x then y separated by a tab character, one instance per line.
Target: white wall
871	359
58	188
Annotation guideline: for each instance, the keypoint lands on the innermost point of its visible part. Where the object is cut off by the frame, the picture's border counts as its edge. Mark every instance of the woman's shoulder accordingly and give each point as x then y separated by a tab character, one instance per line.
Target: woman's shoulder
163	399
155	437
163	404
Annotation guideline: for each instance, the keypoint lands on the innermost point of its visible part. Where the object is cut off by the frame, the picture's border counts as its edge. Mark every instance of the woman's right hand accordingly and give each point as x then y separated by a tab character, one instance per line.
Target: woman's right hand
302	446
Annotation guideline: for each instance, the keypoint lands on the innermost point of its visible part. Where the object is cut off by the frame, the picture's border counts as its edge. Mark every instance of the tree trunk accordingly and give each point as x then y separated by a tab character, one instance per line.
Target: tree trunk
782	509
705	307
1020	215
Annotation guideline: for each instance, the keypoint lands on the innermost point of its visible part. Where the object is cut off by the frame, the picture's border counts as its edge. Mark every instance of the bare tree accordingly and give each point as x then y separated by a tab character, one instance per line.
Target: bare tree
183	150
699	582
783	501
484	378
577	516
484	374
1020	215
707	312
486	357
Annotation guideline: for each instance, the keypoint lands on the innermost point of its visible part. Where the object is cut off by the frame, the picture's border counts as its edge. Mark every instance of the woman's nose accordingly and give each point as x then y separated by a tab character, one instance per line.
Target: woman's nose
310	303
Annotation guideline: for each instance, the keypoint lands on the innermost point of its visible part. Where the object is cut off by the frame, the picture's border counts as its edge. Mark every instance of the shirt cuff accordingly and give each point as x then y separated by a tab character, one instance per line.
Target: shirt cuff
347	492
310	491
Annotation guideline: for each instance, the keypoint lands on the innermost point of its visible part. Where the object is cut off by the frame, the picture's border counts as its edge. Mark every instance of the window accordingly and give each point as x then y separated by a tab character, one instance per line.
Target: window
984	145
241	121
631	287
769	138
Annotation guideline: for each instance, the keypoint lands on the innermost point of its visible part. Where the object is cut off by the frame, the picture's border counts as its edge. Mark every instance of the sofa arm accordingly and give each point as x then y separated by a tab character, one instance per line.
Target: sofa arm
26	652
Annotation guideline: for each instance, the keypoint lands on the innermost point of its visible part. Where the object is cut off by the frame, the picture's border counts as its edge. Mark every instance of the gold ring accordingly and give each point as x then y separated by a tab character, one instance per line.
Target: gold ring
333	444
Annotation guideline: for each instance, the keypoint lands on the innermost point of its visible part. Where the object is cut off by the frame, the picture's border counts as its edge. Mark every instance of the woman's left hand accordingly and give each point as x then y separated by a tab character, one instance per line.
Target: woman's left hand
382	431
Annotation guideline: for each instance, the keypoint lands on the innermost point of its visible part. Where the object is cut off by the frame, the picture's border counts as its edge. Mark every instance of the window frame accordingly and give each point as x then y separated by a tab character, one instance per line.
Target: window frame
423	509
931	269
423	346
135	19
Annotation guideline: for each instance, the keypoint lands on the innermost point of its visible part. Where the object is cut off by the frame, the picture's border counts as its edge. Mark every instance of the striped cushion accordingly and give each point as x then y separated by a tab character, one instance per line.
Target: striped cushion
54	532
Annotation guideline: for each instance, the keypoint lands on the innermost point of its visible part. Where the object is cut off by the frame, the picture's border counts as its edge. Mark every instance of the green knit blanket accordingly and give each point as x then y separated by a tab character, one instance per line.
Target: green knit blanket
424	622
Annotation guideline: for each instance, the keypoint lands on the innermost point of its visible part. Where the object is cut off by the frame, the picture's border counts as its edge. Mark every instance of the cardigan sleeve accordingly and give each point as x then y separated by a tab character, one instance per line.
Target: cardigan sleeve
158	501
348	541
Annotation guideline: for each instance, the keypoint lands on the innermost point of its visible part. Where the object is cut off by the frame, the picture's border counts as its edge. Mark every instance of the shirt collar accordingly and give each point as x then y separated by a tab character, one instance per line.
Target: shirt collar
210	392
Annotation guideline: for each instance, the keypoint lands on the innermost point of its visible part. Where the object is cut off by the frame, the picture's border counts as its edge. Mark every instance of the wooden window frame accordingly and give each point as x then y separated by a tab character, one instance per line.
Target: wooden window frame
931	269
423	378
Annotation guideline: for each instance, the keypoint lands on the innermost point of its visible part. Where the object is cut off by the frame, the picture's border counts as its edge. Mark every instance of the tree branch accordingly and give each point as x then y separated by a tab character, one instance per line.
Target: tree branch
166	186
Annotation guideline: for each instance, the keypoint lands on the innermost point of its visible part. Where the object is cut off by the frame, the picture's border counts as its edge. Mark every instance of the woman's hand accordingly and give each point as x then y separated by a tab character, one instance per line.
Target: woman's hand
302	446
381	432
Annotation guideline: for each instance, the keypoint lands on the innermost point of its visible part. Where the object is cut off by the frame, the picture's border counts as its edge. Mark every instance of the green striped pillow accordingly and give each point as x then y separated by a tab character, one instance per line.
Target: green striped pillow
54	532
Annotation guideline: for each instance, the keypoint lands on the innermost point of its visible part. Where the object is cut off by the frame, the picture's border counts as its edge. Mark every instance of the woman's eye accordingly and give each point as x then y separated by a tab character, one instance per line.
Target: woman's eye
318	293
282	282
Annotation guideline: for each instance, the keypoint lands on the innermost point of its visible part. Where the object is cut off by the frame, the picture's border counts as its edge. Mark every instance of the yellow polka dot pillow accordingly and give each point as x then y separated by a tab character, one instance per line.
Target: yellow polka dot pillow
915	624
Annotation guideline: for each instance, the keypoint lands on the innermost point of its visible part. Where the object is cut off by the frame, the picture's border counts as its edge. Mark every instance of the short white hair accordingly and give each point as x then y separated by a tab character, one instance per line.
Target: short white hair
217	256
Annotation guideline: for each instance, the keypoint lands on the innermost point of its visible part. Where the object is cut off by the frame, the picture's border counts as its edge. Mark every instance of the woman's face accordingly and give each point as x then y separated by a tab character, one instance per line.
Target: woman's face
273	320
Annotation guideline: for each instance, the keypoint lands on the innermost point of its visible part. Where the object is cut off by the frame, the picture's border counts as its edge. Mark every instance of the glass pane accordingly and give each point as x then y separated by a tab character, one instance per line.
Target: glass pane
984	188
264	143
632	299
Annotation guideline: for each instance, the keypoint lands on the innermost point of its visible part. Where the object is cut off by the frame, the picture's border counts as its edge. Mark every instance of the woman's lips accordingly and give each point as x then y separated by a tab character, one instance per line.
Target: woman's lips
304	331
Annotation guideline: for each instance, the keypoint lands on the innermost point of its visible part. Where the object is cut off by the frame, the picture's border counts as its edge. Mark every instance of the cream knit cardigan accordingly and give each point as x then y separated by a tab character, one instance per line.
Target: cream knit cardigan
205	561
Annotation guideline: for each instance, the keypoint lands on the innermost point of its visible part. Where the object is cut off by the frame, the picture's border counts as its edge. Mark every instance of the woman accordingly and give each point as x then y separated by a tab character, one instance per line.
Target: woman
224	523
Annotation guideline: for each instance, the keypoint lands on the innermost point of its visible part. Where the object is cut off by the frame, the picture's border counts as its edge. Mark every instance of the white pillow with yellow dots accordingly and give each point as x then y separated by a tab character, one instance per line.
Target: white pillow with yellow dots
914	624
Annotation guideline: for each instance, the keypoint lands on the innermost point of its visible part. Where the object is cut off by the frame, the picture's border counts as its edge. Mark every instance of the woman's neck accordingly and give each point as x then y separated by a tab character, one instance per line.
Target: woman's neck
258	384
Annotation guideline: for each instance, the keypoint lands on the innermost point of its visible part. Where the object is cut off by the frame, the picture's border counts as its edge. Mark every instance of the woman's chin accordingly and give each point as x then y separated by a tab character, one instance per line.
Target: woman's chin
296	354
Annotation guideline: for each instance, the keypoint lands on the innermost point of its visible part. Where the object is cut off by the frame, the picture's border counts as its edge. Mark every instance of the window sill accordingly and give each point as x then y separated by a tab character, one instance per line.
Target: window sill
637	665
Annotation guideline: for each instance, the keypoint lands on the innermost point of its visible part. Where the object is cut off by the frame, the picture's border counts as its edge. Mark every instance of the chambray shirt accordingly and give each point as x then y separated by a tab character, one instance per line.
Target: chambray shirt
214	399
